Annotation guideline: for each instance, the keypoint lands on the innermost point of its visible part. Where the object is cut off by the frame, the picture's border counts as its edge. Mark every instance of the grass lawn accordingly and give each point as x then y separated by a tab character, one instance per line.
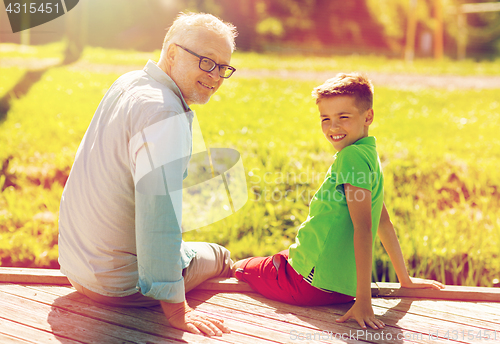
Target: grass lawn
440	151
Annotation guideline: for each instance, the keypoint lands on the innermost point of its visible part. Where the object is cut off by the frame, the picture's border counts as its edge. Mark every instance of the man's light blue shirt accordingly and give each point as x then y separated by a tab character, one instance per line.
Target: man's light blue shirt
119	231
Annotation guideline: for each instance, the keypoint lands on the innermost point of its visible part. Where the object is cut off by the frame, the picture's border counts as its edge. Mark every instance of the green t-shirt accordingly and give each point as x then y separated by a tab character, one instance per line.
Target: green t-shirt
325	240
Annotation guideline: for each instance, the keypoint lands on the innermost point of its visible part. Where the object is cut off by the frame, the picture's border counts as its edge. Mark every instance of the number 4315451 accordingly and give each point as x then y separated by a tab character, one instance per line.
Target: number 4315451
32	8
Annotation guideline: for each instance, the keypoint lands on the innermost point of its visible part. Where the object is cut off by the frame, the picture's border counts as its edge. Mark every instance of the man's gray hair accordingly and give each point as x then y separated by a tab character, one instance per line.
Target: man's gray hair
181	30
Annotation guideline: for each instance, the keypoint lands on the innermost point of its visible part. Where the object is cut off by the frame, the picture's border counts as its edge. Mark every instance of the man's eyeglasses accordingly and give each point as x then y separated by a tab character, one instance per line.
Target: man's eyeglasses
208	65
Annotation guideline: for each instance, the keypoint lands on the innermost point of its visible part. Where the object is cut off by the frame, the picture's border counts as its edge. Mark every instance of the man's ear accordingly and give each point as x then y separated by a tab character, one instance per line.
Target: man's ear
172	52
369	117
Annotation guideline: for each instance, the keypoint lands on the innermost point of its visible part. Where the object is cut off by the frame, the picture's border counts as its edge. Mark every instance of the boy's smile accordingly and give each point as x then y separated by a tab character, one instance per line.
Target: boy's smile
341	121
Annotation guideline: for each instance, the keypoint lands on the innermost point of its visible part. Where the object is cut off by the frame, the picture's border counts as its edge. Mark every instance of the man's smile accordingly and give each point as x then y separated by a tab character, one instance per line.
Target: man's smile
206	86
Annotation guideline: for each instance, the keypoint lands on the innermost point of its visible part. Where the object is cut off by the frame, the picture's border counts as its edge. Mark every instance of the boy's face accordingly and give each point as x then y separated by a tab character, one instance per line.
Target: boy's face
342	122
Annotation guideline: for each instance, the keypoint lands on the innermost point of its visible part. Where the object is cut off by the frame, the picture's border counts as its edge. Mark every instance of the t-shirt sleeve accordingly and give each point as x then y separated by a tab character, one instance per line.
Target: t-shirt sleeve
158	157
352	167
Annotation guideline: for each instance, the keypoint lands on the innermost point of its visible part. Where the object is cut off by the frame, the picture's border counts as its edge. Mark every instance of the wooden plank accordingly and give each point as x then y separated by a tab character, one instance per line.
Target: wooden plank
153	315
428	324
472	313
234	285
13	332
45	318
57	290
312	319
407	324
21	275
55	277
252	318
6	339
133	322
277	329
493	305
242	331
450	292
252	326
78	327
226	285
262	329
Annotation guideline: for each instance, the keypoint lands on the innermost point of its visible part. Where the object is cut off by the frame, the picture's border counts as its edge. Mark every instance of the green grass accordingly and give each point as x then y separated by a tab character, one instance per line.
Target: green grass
254	61
440	152
11	50
371	63
9	77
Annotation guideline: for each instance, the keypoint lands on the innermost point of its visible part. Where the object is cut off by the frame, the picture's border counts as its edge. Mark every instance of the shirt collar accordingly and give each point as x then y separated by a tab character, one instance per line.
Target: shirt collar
159	75
369	140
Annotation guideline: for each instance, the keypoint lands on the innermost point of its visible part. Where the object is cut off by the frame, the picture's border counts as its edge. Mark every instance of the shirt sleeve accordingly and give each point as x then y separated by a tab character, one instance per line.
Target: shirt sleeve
159	155
351	167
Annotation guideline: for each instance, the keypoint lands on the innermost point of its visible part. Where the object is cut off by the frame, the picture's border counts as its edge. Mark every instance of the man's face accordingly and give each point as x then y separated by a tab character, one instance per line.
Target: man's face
342	122
198	86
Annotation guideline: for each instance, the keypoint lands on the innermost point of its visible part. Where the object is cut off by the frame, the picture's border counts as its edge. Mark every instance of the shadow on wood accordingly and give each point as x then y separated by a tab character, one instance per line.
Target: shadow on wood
75	318
297	323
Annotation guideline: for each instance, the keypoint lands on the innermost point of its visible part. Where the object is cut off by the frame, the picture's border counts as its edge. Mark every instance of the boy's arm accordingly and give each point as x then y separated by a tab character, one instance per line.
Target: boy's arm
359	202
388	237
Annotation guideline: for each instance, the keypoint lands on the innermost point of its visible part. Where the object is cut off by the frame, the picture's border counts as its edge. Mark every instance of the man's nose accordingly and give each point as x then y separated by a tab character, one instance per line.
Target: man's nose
215	74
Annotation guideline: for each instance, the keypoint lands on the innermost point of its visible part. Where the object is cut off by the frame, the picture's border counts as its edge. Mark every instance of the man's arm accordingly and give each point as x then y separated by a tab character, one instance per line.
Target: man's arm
158	153
389	239
158	239
359	202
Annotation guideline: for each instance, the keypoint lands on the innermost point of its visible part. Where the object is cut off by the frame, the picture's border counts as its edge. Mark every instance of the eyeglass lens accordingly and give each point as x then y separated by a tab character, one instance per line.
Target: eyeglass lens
208	65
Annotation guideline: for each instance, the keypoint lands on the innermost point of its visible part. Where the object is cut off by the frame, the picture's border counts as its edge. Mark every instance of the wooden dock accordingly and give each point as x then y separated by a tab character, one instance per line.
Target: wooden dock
56	313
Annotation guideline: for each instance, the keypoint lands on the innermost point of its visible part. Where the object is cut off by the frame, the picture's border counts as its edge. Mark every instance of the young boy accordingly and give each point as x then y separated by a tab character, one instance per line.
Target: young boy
331	259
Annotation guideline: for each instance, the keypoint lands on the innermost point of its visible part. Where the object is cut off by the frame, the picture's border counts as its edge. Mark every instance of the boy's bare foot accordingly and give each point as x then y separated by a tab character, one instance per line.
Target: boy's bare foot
237	265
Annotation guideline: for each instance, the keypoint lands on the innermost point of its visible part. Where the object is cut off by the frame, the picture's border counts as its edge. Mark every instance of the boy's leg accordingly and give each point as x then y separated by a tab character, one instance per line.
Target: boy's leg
211	261
262	274
274	278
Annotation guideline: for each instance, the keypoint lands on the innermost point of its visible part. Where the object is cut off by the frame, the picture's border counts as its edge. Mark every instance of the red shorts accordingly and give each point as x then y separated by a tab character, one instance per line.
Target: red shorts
274	278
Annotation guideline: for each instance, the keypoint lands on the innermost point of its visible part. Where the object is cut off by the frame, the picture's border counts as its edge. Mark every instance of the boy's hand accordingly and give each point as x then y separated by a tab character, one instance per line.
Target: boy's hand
362	312
420	283
183	317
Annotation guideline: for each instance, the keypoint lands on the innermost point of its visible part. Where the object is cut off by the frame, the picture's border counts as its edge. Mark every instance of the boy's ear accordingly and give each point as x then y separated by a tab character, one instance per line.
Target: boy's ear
369	117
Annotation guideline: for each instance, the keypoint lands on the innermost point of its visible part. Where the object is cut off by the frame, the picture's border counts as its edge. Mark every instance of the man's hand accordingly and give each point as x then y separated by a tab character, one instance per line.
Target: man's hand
419	283
183	317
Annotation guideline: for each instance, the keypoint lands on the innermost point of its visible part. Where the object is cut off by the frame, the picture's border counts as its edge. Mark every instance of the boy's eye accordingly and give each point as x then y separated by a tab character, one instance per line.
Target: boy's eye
344	117
325	119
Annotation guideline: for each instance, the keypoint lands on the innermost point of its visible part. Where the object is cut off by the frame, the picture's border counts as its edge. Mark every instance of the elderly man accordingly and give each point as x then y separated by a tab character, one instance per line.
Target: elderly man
120	238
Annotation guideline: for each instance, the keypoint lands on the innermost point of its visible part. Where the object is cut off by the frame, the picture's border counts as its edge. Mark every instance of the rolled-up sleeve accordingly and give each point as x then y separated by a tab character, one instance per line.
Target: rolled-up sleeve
159	241
159	156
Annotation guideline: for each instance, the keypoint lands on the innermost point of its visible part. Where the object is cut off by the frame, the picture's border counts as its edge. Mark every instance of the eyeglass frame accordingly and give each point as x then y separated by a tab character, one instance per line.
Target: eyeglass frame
231	68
